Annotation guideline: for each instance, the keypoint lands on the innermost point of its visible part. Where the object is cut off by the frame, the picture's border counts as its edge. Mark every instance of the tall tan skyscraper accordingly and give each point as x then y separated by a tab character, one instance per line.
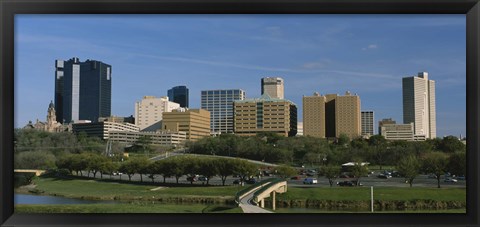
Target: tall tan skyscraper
273	87
331	115
419	104
314	115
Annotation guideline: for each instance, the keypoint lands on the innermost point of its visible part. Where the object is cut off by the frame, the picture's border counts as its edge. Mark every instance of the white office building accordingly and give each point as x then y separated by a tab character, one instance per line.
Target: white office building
148	112
419	104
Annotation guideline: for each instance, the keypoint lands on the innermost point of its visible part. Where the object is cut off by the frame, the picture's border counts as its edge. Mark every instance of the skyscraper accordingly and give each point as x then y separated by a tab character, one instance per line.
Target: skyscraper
149	112
220	105
273	87
367	123
83	90
419	104
331	115
179	94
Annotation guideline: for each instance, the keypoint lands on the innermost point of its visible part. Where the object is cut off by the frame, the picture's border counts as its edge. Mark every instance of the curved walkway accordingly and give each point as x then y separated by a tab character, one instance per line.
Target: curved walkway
248	207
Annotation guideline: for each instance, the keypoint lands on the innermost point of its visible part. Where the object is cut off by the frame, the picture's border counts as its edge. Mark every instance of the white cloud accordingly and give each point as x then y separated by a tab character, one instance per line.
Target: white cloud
371	46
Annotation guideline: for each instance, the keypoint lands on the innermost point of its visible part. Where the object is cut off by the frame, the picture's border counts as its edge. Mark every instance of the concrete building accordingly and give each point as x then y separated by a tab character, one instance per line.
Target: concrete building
273	87
149	112
118	119
300	129
194	122
314	115
384	122
164	138
83	90
179	94
103	129
368	120
419	104
398	131
331	115
265	114
220	105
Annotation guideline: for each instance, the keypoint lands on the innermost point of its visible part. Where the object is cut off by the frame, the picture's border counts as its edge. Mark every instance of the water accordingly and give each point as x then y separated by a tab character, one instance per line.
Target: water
45	199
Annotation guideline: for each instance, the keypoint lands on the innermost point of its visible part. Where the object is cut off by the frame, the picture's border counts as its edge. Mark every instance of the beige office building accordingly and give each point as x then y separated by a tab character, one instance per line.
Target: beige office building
331	115
419	104
398	131
194	122
265	114
273	87
314	115
149	112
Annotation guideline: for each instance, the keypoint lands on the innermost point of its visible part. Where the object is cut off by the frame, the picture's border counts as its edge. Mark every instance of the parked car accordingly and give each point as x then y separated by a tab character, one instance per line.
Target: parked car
460	178
191	178
251	181
117	174
237	181
296	178
310	181
451	180
384	176
202	178
344	176
345	183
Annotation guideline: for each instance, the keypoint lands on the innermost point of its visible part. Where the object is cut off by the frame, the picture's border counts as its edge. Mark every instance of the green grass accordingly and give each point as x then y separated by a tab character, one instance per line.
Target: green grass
91	189
111	208
384	194
286	210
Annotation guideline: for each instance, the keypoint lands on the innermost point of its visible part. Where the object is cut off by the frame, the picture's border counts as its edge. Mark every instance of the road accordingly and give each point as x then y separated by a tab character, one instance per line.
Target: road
182	152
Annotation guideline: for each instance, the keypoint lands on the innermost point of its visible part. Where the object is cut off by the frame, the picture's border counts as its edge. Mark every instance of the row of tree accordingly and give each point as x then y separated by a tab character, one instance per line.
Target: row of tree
270	147
171	167
409	167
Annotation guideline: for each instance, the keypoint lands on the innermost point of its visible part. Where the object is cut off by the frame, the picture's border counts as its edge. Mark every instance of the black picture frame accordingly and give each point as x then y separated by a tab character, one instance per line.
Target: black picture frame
9	8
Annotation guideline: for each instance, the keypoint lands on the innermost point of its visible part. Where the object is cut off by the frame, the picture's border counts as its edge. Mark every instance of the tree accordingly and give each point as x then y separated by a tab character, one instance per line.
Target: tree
331	172
208	168
285	171
436	164
409	167
177	167
457	163
225	168
244	169
133	166
343	140
144	143
191	167
34	160
108	167
358	171
451	144
94	163
79	163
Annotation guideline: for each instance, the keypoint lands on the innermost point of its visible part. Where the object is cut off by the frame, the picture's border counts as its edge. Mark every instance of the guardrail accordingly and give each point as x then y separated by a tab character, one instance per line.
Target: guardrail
251	188
266	187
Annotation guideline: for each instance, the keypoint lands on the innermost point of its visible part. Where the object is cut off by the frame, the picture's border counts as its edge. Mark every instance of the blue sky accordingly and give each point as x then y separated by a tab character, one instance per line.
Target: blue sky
149	54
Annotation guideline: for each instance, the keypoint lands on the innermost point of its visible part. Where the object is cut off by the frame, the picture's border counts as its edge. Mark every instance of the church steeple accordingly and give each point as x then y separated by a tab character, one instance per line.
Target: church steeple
51	117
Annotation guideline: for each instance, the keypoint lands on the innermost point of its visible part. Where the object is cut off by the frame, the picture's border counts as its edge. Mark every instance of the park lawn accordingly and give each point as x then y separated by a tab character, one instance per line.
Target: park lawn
380	193
92	189
111	208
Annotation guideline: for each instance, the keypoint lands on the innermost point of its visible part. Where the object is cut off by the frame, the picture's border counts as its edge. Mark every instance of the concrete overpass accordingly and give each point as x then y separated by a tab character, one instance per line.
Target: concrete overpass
269	190
252	199
37	172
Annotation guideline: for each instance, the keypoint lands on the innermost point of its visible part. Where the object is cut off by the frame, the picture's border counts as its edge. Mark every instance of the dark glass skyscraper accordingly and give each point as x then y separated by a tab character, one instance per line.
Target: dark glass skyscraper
179	94
83	90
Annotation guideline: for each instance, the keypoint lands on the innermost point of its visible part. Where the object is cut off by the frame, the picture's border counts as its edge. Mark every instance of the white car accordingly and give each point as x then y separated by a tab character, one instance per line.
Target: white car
451	180
310	181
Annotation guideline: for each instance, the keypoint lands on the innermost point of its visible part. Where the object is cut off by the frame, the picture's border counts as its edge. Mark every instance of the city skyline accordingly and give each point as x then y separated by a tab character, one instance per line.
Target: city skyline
334	56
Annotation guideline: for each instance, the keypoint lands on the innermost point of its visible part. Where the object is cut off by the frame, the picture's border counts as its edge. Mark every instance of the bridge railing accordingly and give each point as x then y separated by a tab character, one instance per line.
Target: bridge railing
266	187
240	194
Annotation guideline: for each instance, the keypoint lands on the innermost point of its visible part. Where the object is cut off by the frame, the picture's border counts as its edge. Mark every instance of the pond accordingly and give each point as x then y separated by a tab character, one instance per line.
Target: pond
45	199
